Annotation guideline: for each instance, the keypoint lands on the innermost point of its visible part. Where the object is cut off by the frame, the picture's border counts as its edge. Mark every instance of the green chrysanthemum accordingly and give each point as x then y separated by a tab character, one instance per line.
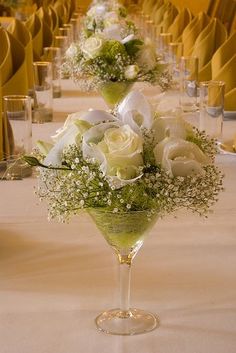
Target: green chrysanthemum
112	48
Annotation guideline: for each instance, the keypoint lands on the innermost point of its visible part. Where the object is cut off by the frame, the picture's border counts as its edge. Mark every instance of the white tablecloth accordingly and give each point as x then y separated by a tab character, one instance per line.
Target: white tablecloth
55	278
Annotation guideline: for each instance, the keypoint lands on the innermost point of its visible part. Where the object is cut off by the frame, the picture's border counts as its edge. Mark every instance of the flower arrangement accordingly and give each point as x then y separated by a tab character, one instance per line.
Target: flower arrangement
98	60
130	161
103	16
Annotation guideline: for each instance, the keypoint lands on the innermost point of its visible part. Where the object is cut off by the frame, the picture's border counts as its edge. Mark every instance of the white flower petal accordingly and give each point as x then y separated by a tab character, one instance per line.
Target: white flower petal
55	154
128	38
136	103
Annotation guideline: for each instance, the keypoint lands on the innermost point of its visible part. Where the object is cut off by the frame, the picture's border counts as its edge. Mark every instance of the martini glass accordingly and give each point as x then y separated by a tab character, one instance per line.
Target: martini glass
125	233
114	92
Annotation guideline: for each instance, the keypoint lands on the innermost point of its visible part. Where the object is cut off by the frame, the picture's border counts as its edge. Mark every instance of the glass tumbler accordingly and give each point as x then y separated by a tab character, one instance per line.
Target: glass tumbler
43	94
188	83
212	107
53	55
175	53
17	113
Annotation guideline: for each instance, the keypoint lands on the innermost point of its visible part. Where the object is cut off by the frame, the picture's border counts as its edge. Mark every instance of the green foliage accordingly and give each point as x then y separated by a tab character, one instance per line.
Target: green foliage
133	46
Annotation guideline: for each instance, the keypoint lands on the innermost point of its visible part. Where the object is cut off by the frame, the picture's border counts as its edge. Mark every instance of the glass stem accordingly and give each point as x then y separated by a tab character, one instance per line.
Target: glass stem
125	275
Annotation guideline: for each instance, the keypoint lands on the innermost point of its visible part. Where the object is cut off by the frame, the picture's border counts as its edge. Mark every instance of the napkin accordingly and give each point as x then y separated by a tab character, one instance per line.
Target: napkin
154	8
34	25
179	24
54	20
230	99
192	31
208	41
168	17
46	27
62	12
17	83
158	15
148	6
6	65
5	21
223	69
223	54
22	34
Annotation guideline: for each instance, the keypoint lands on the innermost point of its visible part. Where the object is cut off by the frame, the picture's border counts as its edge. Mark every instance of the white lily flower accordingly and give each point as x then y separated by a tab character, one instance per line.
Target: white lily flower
136	107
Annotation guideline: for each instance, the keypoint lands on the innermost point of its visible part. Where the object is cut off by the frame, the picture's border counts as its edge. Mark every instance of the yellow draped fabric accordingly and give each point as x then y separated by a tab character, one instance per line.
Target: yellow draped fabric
54	19
224	67
46	27
22	34
155	8
148	6
6	65
158	15
34	25
223	10
168	18
179	24
208	41
192	31
195	6
62	12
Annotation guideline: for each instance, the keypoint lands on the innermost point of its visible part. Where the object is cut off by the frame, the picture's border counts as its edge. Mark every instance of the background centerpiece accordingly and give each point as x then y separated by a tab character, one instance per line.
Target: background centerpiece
126	170
113	65
111	55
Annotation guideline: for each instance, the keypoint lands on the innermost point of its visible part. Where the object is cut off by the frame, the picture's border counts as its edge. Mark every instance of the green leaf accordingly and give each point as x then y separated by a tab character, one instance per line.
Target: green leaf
33	161
133	46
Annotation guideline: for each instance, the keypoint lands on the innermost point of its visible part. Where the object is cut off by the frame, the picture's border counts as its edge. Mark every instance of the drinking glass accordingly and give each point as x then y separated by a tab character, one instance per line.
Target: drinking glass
188	83
212	107
53	55
125	233
61	42
17	113
163	49
43	95
175	53
67	32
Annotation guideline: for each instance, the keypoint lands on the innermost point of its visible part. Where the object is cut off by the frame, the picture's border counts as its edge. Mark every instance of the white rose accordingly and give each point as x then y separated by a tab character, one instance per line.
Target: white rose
91	47
180	157
119	151
122	149
131	72
147	57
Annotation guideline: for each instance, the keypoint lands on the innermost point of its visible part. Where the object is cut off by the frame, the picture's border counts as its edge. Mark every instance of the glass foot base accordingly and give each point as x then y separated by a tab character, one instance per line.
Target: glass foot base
132	322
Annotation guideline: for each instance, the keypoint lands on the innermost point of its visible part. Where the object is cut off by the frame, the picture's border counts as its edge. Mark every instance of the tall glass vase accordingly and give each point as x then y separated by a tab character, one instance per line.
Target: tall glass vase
114	92
125	233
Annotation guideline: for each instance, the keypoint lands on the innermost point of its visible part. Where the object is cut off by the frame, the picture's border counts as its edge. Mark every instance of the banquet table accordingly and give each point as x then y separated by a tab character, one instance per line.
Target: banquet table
55	278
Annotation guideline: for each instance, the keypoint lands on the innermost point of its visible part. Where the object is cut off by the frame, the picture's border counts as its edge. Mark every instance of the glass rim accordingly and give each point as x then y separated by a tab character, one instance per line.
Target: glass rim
51	48
42	63
165	34
187	57
16	97
219	83
60	37
103	210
